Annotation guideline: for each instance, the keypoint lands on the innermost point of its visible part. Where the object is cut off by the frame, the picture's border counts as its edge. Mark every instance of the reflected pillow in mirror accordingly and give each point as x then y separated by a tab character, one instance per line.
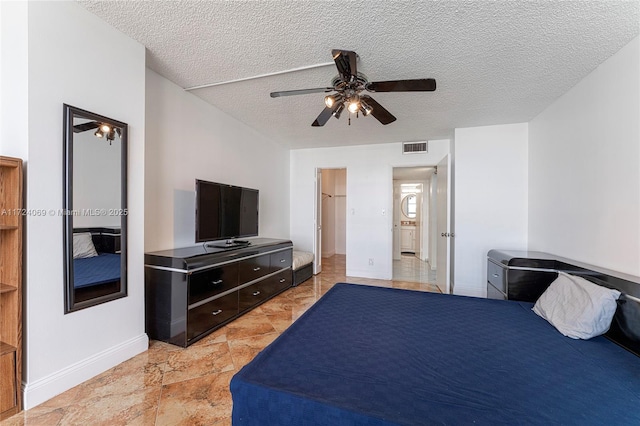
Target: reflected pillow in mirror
577	308
83	246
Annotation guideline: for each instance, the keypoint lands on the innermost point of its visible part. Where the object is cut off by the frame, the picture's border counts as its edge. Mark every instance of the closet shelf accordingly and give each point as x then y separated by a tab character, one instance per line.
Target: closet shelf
6	288
6	348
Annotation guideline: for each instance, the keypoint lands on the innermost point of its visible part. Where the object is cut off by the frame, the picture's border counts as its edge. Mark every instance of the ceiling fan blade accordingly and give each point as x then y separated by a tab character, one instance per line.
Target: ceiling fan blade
420	85
301	92
85	126
324	116
381	114
346	63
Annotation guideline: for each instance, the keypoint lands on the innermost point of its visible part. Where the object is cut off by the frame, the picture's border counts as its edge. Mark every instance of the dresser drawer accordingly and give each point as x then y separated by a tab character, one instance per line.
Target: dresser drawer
496	275
254	294
212	281
282	280
281	259
254	268
262	290
203	318
494	293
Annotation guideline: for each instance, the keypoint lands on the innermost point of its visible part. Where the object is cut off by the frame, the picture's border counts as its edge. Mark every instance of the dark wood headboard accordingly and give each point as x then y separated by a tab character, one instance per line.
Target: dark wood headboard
105	239
625	328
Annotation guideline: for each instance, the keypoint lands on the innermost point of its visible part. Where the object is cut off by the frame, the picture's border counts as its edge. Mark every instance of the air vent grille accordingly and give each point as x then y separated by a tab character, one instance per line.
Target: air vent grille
414	147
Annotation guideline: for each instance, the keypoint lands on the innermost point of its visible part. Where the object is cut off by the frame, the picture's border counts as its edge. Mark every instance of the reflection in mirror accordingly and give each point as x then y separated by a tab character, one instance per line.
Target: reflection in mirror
94	208
409	206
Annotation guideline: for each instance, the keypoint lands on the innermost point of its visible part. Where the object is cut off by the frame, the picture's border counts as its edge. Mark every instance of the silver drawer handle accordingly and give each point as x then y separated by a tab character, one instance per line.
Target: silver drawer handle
495	275
256	269
282	280
216	282
283	260
255	293
219	311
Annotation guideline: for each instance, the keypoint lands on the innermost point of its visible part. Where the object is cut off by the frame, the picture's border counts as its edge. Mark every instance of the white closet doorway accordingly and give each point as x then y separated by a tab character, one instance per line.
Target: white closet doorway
331	216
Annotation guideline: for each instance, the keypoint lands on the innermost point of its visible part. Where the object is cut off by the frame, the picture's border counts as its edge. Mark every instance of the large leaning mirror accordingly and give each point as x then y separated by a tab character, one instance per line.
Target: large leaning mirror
94	209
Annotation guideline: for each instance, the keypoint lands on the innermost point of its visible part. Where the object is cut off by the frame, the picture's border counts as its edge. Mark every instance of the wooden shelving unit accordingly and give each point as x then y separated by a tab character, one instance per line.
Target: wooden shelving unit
10	286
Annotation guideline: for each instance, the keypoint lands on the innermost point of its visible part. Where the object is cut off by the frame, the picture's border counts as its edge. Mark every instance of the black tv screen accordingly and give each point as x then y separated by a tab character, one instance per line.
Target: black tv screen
225	211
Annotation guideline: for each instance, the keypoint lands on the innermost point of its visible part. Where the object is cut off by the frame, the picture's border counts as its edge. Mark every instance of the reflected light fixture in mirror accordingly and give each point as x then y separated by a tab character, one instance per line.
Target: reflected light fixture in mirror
94	209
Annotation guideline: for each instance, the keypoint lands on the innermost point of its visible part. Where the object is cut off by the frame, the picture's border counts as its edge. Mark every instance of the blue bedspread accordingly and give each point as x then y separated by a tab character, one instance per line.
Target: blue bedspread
96	270
377	356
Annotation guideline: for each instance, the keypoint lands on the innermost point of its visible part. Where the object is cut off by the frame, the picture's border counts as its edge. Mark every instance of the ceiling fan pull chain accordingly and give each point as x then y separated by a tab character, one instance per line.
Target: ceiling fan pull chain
349	119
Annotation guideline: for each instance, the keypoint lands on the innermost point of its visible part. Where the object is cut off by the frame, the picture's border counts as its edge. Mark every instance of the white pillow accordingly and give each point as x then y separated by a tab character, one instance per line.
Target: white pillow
83	246
576	307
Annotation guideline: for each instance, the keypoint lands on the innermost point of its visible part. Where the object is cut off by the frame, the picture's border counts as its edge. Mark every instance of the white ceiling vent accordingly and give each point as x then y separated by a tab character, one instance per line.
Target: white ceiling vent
414	147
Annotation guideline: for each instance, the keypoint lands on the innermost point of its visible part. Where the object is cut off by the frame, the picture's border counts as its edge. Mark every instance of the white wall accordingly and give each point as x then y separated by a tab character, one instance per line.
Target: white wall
490	199
67	47
584	163
188	139
369	220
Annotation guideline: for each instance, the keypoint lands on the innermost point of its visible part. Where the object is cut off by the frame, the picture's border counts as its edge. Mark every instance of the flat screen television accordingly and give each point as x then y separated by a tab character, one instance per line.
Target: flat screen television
225	212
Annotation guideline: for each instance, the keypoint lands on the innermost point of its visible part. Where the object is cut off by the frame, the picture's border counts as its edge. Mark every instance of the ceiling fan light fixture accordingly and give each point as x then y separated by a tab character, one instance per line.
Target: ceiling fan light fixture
99	133
365	108
336	113
354	104
331	100
105	128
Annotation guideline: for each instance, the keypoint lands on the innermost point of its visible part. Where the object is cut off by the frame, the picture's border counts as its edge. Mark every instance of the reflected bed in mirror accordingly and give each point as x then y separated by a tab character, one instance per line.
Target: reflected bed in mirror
95	209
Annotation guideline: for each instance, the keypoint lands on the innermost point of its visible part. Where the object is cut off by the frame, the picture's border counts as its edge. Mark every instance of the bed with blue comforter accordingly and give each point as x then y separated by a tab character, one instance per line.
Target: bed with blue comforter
377	356
96	270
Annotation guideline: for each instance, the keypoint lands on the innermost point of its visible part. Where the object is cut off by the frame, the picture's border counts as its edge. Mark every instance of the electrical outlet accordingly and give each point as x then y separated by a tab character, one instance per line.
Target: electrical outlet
370	262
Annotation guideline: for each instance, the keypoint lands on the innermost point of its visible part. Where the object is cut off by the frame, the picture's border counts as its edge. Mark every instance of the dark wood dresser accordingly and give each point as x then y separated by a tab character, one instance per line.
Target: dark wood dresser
519	275
191	291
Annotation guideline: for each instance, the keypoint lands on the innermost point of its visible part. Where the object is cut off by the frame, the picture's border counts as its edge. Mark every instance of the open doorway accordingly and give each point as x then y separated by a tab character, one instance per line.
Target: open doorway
414	224
331	218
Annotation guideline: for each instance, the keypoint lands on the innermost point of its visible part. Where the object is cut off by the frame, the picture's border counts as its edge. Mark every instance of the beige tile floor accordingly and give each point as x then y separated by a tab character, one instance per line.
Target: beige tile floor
169	385
410	268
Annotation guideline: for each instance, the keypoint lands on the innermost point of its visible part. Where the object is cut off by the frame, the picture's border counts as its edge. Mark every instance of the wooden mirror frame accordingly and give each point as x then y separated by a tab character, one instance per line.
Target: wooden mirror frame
70	302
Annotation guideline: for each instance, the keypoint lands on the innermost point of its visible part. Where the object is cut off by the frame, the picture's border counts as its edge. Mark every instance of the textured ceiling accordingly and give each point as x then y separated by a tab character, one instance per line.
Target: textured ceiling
494	62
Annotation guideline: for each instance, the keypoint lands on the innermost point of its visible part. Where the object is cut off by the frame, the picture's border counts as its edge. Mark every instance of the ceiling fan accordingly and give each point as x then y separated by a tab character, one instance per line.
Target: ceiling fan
348	85
103	129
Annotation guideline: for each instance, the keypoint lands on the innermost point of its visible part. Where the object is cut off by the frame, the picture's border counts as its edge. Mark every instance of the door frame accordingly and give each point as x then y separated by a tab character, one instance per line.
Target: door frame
317	216
451	247
317	223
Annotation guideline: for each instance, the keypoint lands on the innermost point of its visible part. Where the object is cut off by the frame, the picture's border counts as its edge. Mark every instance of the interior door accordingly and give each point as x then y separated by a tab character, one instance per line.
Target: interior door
443	201
396	222
418	233
317	255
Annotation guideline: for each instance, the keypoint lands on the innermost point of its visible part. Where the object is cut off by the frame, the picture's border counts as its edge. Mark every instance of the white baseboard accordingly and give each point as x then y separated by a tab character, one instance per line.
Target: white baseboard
41	390
469	290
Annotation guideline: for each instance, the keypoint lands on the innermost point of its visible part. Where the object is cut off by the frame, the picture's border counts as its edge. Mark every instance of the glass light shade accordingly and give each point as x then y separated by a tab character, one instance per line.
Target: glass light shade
338	111
366	109
329	101
354	106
